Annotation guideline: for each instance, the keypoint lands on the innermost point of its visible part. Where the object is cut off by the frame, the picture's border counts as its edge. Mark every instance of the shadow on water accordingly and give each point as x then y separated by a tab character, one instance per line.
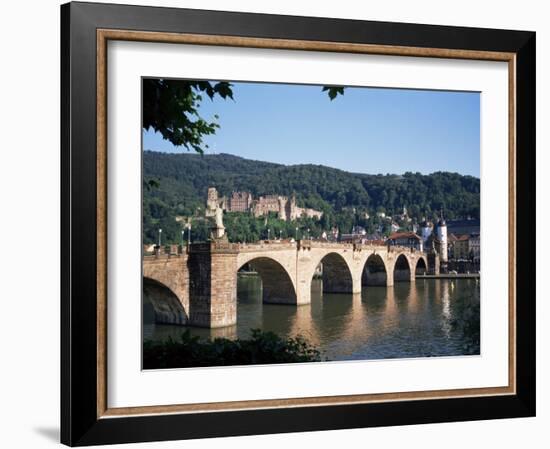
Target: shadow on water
406	320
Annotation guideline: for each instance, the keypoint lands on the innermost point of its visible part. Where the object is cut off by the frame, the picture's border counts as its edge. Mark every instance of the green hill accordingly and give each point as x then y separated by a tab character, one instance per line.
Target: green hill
183	180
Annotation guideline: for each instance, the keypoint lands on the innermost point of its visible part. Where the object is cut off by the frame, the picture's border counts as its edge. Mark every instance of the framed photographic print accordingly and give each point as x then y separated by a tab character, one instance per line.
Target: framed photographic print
278	224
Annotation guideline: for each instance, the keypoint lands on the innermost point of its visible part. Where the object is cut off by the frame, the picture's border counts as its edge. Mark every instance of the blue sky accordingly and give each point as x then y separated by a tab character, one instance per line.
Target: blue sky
367	130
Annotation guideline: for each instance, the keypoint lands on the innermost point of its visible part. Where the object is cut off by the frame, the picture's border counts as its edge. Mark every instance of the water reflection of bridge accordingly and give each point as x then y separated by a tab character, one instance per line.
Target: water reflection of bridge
199	286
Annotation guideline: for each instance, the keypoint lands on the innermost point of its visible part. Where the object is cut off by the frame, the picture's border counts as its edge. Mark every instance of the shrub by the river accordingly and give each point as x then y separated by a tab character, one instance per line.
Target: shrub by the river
260	348
467	322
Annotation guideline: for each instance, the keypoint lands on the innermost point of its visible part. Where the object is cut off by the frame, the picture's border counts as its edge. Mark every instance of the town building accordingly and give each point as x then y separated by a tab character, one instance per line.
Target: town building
465	247
459	247
407	239
358	235
285	208
451	239
403	216
475	247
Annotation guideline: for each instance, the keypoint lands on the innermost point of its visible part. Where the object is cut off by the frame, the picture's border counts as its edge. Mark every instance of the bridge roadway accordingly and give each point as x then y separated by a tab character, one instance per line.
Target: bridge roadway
198	287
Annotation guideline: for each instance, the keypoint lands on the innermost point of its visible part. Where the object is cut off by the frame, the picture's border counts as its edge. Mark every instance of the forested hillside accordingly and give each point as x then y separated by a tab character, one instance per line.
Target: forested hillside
181	182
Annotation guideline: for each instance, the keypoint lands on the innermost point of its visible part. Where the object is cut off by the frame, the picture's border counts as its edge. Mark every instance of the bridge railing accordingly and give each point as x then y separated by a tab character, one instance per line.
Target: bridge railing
399	248
267	244
164	251
324	244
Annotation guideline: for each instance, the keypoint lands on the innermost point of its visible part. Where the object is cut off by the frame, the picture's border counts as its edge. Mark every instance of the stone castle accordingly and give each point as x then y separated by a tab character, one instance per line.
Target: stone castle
285	208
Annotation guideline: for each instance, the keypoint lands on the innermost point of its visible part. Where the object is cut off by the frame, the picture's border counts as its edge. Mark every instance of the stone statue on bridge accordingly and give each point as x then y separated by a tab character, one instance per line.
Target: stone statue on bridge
218	230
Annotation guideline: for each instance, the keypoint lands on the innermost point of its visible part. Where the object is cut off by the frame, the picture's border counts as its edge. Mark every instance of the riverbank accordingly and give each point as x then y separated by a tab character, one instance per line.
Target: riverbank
261	348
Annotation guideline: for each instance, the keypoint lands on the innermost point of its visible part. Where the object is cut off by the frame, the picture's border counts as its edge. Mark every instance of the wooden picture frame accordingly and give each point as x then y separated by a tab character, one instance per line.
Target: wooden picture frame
86	29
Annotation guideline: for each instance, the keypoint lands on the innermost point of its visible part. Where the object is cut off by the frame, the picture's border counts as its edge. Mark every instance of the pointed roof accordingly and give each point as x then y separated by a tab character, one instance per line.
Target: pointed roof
441	221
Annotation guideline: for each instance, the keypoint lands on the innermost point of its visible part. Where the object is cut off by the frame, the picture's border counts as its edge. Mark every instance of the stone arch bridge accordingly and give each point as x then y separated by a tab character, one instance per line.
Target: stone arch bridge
199	286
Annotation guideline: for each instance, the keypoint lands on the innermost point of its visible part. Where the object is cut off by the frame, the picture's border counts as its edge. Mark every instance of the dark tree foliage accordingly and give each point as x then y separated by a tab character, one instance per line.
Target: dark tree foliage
261	348
333	91
343	197
171	107
466	321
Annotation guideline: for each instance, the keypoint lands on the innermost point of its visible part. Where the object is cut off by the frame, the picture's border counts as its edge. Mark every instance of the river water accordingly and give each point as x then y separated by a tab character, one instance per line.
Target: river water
420	319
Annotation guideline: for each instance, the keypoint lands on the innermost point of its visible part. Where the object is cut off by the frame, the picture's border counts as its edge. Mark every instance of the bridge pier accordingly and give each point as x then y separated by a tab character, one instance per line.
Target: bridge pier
413	261
213	285
303	291
433	263
389	279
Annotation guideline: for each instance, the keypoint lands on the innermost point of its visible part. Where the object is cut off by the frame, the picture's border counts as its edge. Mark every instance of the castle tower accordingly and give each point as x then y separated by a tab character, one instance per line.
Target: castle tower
442	237
292	206
282	207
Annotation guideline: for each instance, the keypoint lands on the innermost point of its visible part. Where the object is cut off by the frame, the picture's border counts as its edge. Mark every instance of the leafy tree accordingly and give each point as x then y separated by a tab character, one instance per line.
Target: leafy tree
333	91
171	107
466	323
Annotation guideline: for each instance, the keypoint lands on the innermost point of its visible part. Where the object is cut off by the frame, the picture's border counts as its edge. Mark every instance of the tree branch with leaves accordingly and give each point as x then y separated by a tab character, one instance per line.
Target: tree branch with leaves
171	108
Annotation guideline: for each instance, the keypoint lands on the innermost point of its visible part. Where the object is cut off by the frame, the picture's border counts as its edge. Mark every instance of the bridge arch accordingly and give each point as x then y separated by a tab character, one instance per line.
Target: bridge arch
402	269
166	305
277	284
374	271
421	267
336	274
